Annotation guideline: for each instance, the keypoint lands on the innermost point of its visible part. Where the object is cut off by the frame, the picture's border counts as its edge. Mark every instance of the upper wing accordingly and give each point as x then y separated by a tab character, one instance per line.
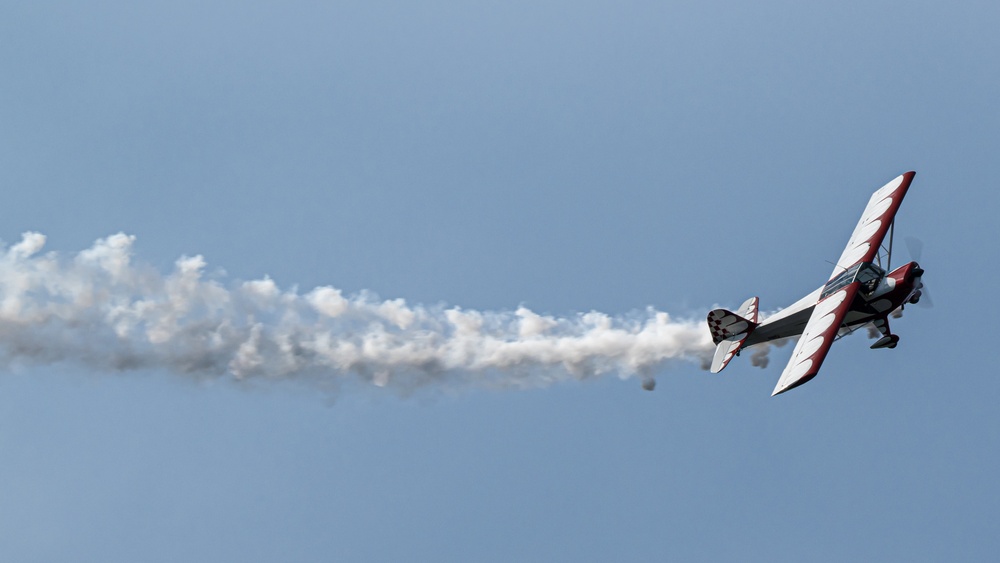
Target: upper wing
819	334
874	223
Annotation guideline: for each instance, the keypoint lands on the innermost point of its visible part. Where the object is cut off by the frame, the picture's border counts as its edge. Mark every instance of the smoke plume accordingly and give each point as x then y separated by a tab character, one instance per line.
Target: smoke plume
103	309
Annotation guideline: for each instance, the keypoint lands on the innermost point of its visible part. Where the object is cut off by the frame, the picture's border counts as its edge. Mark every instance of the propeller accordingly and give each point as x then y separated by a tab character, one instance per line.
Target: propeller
915	246
925	300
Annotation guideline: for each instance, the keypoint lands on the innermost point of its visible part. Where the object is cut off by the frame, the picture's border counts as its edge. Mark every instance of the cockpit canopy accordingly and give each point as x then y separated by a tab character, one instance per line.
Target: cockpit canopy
868	273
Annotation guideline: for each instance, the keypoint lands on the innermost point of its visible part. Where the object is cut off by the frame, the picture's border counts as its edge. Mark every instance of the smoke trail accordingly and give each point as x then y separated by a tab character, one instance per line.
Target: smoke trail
104	310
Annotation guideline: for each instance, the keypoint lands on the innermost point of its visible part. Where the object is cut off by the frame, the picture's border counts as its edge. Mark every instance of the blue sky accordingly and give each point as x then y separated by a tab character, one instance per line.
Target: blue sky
564	156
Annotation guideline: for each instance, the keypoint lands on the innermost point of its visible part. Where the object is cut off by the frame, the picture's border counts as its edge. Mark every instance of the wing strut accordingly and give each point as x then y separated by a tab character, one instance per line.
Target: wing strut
892	231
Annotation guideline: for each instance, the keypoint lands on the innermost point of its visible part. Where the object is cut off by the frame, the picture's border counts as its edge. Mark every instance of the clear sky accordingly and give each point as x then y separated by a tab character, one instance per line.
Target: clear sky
563	156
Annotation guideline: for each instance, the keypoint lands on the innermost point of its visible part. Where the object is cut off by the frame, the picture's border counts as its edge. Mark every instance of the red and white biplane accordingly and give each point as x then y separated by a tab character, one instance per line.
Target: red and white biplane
859	292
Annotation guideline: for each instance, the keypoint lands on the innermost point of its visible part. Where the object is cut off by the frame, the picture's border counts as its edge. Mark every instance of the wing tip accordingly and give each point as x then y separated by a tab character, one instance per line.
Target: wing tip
800	381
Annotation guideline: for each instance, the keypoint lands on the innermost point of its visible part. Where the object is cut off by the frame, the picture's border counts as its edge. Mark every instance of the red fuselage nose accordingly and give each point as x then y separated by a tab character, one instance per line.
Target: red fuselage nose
907	283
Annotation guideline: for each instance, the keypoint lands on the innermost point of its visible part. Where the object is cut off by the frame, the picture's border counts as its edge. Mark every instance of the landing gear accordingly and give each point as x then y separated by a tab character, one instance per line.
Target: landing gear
887	341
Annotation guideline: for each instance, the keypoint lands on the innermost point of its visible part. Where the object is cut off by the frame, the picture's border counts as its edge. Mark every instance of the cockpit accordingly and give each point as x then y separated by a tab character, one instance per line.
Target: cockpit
867	273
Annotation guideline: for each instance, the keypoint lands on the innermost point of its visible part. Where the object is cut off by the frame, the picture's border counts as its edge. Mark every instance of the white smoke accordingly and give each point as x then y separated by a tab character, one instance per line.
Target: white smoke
102	309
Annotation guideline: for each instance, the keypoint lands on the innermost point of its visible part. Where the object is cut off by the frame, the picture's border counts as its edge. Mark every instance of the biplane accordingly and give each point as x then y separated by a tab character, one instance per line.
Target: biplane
859	292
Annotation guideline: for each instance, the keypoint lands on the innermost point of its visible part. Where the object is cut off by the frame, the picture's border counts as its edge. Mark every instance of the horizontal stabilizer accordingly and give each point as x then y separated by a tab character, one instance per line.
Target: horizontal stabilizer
730	330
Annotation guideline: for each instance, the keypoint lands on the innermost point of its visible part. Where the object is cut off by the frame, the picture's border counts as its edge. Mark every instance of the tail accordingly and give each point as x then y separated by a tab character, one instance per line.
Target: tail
730	330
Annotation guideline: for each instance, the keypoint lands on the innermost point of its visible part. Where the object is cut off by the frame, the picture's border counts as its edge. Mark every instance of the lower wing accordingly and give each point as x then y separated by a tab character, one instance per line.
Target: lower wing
818	335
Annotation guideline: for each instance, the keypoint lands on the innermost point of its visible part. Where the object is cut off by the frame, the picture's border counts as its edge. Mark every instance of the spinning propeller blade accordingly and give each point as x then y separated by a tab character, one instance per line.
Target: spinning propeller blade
915	246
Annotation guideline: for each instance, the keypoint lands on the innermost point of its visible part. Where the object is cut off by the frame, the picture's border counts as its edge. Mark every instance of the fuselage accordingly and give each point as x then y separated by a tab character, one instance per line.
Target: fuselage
895	289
